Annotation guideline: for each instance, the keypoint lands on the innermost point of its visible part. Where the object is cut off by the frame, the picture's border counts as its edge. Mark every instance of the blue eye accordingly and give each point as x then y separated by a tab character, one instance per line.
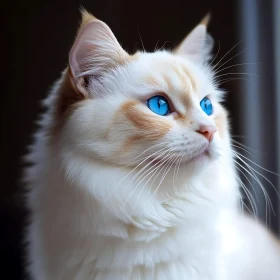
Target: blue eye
206	106
159	105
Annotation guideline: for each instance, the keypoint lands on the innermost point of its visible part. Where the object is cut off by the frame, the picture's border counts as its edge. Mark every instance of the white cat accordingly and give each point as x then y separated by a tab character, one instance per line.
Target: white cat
133	174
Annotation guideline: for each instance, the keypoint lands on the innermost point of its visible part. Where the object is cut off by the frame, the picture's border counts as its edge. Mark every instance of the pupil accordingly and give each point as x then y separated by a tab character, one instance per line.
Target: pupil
158	103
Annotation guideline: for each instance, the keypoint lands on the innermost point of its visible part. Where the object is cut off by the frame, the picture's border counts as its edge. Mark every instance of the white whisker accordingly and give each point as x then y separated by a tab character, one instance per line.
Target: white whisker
127	175
252	172
212	61
248	193
219	67
259	165
234	65
168	166
238	73
145	172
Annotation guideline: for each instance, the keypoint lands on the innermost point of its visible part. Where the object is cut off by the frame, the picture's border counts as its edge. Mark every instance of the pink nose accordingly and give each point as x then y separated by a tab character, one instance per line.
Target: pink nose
207	131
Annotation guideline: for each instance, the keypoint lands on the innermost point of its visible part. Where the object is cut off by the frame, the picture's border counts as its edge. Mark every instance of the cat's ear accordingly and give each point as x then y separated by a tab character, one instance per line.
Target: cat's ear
198	44
95	50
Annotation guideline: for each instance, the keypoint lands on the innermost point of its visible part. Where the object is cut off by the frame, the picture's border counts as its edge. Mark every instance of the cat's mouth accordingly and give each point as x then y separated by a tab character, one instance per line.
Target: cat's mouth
196	157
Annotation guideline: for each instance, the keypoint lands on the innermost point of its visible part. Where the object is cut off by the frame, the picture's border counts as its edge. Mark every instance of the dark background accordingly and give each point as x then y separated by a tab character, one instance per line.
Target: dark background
40	36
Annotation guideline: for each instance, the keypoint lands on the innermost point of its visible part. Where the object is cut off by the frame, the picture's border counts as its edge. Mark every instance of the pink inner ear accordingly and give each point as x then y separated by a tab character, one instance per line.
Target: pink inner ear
94	46
81	48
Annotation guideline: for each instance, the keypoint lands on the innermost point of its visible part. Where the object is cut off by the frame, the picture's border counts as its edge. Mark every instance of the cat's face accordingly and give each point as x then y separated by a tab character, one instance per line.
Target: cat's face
149	108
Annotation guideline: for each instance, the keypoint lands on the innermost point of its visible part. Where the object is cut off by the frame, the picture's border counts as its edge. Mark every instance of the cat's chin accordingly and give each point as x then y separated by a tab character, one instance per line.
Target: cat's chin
204	157
199	158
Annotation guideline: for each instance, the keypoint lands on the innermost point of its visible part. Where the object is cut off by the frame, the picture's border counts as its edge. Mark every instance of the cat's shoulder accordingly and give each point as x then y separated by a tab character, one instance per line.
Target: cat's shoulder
257	252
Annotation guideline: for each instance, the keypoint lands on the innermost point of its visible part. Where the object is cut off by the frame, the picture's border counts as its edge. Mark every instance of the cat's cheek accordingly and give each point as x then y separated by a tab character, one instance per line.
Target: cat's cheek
214	150
221	121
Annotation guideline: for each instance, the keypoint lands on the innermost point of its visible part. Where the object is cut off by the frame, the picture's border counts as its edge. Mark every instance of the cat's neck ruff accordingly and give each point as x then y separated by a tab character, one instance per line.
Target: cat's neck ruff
128	236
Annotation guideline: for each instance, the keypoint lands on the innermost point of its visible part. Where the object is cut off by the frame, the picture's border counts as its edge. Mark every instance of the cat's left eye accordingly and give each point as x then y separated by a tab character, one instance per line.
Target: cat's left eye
206	106
158	104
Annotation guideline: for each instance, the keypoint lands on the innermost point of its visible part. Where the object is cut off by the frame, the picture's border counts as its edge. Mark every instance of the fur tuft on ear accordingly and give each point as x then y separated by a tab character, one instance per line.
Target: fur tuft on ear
205	21
86	18
95	50
198	45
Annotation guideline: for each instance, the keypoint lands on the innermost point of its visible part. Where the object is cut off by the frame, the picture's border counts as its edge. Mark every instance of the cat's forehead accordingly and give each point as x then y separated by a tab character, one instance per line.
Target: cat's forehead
172	74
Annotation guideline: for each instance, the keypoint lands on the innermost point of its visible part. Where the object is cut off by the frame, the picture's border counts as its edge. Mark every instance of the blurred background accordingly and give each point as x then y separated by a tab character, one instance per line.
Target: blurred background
247	50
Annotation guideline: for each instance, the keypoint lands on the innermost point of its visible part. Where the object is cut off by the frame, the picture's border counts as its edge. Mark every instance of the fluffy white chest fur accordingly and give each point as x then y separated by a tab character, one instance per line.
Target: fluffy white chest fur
187	237
132	173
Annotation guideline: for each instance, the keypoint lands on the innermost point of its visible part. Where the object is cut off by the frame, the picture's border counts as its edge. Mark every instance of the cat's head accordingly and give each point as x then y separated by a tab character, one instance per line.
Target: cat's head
147	108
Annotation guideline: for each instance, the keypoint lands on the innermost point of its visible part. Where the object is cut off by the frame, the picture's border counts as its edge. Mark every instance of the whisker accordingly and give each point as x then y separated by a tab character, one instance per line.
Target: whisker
151	163
159	144
228	61
174	172
155	49
238	73
127	175
252	173
248	193
241	202
241	148
267	199
212	61
154	168
224	56
178	169
221	82
168	165
247	180
274	188
164	45
243	145
234	65
254	214
141	39
163	164
166	162
258	165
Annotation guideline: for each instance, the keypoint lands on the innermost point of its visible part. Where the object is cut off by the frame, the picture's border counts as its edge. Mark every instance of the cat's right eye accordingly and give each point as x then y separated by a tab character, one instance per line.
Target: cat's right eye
159	105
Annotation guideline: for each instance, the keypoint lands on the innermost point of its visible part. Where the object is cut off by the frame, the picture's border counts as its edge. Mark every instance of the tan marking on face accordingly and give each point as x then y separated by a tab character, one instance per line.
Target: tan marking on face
191	80
168	82
188	84
185	98
129	143
180	117
151	127
152	81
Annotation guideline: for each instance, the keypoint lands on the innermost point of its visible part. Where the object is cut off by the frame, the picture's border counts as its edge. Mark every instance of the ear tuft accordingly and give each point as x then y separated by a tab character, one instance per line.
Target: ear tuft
205	21
86	17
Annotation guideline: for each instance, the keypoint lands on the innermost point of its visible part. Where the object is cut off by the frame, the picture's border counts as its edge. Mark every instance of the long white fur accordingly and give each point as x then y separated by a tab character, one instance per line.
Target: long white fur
86	220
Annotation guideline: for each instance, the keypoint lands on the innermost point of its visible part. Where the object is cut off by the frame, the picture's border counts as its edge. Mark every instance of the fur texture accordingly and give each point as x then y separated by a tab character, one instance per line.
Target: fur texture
118	192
